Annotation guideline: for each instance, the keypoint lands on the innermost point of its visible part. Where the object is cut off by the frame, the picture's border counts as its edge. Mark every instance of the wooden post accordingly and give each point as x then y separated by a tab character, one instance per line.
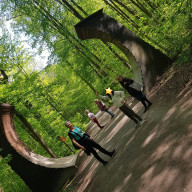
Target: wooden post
63	139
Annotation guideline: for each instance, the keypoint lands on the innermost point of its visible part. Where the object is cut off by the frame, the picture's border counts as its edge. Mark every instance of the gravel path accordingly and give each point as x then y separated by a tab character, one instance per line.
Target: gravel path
157	157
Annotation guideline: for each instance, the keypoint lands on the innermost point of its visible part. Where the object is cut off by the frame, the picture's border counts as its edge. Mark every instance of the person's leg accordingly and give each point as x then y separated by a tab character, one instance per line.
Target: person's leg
110	113
97	122
92	143
86	143
97	156
141	97
146	107
149	102
130	113
143	102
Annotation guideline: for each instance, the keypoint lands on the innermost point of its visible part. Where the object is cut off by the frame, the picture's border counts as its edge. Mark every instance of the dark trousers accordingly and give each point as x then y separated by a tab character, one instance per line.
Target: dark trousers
89	144
110	113
144	100
130	113
142	97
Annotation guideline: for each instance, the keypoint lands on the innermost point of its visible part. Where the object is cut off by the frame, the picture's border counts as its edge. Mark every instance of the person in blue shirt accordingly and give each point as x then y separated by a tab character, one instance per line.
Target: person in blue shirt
86	143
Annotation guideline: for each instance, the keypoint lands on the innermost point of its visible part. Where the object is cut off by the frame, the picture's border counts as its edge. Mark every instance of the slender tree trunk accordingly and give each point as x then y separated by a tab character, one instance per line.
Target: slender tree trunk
55	108
67	145
153	7
80	8
71	9
94	64
127	8
41	119
36	134
138	5
5	77
79	75
119	57
89	84
129	11
122	14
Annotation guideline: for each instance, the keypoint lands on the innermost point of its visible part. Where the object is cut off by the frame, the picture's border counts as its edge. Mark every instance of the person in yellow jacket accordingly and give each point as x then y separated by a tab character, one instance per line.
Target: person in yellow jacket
118	99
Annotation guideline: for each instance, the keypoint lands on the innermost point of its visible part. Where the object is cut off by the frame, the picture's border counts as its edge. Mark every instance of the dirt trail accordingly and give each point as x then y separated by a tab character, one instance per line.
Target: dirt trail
157	157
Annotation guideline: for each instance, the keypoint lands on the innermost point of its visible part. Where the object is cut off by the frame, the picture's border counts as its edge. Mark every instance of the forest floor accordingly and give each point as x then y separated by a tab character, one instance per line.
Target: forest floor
156	157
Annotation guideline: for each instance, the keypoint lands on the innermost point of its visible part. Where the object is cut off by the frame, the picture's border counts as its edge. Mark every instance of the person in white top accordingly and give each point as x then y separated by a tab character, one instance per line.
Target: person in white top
118	98
93	118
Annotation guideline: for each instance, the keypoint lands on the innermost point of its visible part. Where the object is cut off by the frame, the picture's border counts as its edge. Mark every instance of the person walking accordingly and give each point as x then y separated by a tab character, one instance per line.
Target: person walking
118	98
103	107
93	118
86	143
127	84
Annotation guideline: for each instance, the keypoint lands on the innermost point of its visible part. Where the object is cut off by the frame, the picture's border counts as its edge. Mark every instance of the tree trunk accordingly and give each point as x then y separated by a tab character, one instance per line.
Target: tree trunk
40	119
86	82
153	7
118	56
124	6
122	14
138	5
36	134
80	8
71	9
5	77
63	31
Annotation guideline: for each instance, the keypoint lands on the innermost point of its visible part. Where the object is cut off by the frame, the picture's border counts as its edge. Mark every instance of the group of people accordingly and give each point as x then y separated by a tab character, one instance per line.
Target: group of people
83	141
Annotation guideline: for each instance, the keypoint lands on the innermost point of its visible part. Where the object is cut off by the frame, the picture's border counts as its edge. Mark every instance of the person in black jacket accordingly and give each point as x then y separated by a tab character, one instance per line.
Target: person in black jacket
138	94
86	143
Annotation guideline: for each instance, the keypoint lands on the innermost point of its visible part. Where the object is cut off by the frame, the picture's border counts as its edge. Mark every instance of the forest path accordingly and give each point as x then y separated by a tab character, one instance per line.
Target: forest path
157	156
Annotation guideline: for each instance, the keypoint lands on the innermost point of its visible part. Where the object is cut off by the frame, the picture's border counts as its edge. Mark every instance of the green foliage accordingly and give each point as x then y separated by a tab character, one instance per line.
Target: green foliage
9	181
167	27
65	88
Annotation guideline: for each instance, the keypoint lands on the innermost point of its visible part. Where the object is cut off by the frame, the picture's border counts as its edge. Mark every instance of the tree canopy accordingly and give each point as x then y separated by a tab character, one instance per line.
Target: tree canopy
75	69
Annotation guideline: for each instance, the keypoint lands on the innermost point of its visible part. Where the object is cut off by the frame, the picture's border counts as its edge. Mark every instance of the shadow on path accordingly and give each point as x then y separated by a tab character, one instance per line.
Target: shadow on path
156	157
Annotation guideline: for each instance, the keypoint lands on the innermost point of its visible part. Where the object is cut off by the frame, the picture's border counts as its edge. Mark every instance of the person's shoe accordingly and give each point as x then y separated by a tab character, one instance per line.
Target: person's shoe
150	105
141	122
112	153
102	127
145	109
137	125
87	152
105	162
112	116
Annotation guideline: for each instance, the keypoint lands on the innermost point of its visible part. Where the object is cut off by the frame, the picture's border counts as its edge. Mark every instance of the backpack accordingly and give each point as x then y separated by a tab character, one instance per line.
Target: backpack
75	146
137	86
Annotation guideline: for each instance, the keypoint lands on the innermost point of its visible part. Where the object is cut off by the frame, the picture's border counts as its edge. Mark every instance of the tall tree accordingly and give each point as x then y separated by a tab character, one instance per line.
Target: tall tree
35	134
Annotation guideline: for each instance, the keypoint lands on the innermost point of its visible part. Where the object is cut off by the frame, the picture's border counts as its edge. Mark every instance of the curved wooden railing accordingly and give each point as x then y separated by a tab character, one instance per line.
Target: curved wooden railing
40	173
